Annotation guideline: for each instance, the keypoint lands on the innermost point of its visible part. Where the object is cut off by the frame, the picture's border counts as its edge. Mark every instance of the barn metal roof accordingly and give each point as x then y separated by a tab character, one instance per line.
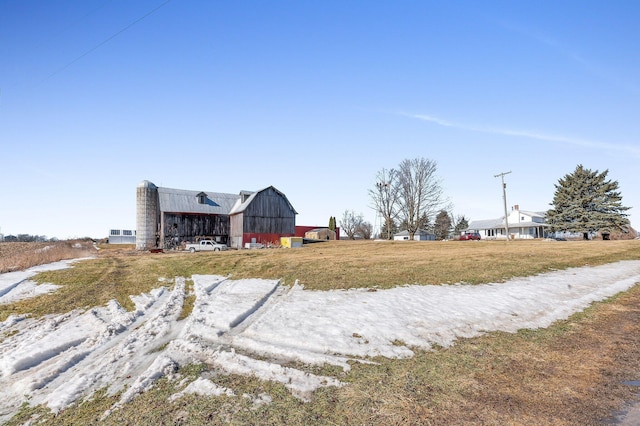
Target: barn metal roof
248	197
185	201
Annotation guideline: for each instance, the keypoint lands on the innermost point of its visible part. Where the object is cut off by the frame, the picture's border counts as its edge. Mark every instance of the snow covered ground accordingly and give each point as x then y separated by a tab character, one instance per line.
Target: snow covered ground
255	326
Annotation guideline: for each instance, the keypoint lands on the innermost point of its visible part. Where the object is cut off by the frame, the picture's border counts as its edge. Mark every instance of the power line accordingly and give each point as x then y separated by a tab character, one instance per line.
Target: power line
504	197
102	43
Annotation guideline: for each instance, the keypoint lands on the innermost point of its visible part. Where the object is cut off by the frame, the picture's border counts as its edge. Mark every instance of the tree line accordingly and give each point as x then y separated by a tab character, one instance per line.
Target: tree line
27	238
410	197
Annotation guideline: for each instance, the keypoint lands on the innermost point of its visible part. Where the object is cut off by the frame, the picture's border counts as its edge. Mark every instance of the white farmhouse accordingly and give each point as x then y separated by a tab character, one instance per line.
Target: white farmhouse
522	225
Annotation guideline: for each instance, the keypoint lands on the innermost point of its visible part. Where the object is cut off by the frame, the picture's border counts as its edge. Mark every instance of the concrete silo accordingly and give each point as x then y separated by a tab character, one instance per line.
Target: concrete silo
147	213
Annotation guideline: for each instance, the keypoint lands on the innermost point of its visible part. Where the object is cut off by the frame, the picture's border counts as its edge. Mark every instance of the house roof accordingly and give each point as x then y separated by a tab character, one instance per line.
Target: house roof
185	201
534	214
499	223
486	224
526	224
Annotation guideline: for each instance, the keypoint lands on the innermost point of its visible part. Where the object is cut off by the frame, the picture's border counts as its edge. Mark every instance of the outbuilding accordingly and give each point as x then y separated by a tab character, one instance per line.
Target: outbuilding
420	235
324	234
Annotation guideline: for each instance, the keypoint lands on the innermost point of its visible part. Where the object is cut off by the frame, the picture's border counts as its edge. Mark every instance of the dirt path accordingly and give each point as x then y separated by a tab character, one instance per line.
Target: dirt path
577	379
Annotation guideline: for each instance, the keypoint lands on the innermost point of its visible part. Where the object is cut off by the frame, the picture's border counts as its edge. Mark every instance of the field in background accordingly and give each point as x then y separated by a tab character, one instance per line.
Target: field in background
568	374
120	271
15	256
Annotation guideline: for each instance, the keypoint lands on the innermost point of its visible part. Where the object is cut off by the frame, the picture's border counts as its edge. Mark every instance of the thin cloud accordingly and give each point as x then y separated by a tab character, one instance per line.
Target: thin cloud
433	119
536	35
595	69
631	150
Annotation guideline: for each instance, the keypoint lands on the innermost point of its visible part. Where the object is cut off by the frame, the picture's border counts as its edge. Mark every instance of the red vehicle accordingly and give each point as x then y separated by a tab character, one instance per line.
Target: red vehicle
470	236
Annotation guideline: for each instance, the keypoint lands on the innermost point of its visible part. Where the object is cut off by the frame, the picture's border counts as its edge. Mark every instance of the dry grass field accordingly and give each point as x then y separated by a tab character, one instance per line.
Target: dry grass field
568	374
15	256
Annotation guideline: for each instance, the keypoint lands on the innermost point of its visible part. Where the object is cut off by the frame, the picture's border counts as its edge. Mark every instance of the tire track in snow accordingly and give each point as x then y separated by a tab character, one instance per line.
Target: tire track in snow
223	305
57	360
120	361
222	311
253	326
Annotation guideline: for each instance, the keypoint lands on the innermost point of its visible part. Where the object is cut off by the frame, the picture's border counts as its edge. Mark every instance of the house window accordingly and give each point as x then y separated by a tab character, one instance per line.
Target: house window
202	198
127	232
114	232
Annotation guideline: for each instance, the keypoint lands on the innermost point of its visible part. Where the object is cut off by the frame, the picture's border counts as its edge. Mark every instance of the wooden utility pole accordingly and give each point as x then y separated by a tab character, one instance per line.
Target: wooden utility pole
383	192
504	198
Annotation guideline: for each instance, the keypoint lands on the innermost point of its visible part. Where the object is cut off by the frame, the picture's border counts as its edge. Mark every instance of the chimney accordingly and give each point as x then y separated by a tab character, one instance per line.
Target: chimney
516	207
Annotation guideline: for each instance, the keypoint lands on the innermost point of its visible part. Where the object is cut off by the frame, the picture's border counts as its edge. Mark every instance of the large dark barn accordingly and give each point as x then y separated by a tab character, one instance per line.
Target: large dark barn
167	217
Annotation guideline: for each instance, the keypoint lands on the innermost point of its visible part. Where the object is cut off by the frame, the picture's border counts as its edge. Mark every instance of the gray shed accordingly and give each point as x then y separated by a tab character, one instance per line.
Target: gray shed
420	235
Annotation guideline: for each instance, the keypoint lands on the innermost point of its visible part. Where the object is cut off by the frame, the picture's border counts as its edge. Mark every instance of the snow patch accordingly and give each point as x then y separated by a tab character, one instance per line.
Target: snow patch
259	328
203	387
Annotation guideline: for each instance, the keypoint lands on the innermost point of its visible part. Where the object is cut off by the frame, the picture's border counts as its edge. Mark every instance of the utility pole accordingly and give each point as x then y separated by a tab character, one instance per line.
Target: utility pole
383	191
504	197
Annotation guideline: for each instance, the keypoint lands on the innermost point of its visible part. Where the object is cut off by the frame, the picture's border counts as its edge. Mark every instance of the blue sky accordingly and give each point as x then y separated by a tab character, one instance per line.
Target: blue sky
313	98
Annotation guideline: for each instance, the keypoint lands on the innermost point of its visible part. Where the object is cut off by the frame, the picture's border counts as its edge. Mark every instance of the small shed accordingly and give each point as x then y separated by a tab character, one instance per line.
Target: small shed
291	242
320	234
121	236
420	235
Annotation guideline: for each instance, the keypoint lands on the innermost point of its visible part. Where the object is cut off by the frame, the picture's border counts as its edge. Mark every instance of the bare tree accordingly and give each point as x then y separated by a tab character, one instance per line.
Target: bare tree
350	223
420	192
385	198
364	230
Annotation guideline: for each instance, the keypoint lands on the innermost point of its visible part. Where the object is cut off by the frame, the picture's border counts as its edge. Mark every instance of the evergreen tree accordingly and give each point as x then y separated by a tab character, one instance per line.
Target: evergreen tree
442	225
390	231
332	223
585	201
423	223
461	224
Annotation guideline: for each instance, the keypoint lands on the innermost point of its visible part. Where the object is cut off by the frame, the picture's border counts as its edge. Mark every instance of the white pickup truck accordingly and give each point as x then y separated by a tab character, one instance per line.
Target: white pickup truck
206	245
